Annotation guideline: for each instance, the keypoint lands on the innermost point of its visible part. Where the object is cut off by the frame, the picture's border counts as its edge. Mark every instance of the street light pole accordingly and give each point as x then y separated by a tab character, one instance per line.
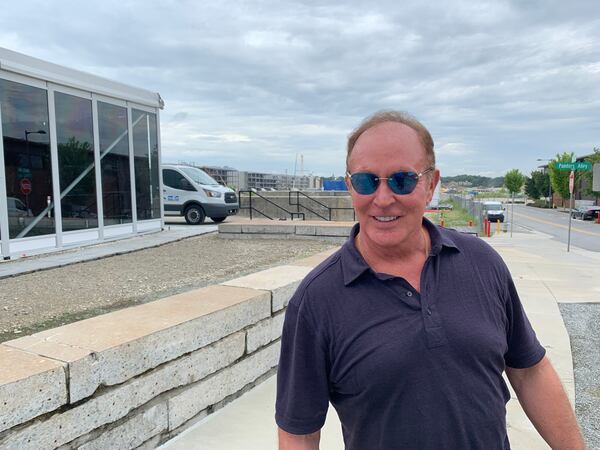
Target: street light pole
549	182
27	133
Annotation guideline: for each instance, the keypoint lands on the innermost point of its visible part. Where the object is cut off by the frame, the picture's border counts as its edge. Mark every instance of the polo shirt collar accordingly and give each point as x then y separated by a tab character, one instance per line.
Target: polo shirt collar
354	265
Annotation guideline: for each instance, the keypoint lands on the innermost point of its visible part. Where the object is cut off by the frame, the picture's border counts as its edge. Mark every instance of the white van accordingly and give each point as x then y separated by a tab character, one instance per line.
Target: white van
493	211
193	194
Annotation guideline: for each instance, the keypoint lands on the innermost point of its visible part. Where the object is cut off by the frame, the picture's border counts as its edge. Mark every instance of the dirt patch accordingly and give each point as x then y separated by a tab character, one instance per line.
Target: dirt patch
50	298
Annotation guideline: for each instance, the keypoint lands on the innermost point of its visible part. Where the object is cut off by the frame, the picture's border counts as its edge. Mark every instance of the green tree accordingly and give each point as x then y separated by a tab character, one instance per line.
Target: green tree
513	180
542	182
560	178
531	189
588	174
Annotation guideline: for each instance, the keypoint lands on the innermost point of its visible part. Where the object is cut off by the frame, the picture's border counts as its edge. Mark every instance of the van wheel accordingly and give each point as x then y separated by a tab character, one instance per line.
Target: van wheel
217	219
194	215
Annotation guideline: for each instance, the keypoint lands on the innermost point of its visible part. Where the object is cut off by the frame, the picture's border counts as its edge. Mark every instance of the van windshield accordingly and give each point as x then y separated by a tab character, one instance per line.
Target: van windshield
199	176
492	206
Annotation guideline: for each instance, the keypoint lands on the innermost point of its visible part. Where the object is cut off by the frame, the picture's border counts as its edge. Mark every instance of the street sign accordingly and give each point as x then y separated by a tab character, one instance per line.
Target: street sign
26	186
23	172
580	165
571	182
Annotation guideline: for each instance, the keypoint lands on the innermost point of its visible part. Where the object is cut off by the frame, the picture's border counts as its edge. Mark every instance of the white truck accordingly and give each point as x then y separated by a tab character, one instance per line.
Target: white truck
195	195
493	211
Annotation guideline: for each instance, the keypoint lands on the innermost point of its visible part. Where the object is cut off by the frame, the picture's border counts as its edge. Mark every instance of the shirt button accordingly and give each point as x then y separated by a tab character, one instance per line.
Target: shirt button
429	311
409	294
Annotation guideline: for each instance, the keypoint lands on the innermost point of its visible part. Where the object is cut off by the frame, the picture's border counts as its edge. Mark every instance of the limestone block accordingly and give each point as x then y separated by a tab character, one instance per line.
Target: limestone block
230	228
325	230
264	332
133	432
116	403
110	349
282	281
268	229
193	400
30	385
306	230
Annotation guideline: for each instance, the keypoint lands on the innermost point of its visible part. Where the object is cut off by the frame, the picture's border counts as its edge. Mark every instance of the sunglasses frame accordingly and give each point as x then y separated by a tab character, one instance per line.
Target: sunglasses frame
379	179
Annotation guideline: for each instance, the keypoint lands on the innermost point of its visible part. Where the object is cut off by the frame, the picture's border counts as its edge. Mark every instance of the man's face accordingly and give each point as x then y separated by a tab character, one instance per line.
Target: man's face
382	150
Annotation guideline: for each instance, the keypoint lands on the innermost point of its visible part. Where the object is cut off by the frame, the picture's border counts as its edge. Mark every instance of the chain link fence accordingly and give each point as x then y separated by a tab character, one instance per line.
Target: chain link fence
474	208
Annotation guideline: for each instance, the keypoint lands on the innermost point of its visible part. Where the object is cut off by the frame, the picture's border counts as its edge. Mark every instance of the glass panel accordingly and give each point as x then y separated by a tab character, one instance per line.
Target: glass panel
74	132
27	159
114	154
145	150
154	167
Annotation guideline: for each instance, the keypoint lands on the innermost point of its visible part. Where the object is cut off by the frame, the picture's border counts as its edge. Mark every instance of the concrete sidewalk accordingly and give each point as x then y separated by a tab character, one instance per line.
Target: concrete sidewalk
172	232
544	274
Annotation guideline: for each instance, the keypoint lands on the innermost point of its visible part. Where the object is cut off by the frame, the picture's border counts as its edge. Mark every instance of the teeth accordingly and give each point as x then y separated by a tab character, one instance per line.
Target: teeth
385	218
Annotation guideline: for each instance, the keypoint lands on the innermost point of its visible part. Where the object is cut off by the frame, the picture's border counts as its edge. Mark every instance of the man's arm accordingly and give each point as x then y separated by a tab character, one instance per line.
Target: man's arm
288	441
545	402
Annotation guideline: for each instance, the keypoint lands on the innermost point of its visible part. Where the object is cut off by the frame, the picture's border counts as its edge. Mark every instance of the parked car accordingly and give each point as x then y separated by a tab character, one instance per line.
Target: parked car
493	211
16	208
193	194
586	213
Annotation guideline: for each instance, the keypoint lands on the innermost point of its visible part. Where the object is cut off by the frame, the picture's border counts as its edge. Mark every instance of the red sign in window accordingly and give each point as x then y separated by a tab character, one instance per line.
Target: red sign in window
26	186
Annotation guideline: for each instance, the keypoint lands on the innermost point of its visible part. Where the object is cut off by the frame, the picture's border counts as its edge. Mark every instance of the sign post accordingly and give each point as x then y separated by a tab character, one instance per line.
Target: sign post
571	187
572	166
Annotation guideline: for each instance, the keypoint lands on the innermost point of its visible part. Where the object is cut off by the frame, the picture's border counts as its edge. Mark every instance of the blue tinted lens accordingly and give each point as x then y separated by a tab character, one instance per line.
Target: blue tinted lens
364	183
403	183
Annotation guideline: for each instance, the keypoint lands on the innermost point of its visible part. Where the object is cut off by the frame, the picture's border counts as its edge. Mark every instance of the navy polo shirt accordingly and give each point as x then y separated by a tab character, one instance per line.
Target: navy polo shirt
405	370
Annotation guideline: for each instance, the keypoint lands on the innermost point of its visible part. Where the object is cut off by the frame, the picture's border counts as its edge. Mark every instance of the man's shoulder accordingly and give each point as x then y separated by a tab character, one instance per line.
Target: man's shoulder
326	276
479	256
469	244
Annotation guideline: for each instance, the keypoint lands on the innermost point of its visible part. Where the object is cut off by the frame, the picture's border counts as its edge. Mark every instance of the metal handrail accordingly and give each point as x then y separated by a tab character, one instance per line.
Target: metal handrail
251	208
298	205
329	208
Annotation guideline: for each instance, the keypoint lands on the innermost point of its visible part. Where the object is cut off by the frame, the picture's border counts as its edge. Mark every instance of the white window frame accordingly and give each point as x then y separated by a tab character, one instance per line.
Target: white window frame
51	86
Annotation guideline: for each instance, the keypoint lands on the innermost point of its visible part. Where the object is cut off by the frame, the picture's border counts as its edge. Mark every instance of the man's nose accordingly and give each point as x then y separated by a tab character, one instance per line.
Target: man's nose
383	196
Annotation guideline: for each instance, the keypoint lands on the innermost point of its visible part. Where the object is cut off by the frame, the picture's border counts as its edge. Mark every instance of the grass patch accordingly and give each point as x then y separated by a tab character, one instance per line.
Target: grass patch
457	217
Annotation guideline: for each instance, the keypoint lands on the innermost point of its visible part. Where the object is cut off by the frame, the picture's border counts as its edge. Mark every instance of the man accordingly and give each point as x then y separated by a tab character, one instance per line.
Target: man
408	328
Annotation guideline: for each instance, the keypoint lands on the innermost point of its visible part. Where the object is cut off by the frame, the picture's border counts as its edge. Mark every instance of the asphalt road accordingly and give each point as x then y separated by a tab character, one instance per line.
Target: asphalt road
584	234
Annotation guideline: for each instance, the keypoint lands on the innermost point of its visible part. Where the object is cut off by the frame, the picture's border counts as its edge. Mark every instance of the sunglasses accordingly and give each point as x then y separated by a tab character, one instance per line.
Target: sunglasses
401	183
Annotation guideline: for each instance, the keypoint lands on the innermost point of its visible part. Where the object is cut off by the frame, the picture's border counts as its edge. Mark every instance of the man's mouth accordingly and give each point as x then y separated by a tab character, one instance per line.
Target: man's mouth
385	218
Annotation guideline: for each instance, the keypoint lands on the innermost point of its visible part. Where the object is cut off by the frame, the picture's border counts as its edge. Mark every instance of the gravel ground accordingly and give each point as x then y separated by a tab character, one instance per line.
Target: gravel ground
581	320
50	298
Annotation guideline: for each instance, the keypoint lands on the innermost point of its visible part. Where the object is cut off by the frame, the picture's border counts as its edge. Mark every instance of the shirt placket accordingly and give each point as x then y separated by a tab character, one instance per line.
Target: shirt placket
432	321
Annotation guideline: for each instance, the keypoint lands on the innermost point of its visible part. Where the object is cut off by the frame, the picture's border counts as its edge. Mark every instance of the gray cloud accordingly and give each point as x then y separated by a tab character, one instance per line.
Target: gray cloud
253	84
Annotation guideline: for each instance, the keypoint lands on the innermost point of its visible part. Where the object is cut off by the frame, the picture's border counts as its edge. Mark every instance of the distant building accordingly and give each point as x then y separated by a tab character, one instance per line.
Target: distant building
241	180
227	176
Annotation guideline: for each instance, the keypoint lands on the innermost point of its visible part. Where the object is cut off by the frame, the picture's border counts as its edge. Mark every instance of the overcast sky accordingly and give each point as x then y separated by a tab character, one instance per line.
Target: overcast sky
256	84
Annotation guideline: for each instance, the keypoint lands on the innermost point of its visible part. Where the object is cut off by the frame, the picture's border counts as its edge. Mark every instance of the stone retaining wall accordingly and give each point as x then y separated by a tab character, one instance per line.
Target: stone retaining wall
311	209
139	376
335	232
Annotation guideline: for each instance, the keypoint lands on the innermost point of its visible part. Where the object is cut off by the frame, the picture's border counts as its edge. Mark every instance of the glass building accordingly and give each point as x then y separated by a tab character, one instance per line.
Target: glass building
79	157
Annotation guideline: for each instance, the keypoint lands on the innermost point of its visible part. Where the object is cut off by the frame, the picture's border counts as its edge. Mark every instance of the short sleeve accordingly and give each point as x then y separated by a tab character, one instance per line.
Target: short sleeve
302	381
524	349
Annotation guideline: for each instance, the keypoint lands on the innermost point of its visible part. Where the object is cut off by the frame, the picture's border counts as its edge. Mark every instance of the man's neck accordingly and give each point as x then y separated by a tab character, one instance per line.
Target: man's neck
415	250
